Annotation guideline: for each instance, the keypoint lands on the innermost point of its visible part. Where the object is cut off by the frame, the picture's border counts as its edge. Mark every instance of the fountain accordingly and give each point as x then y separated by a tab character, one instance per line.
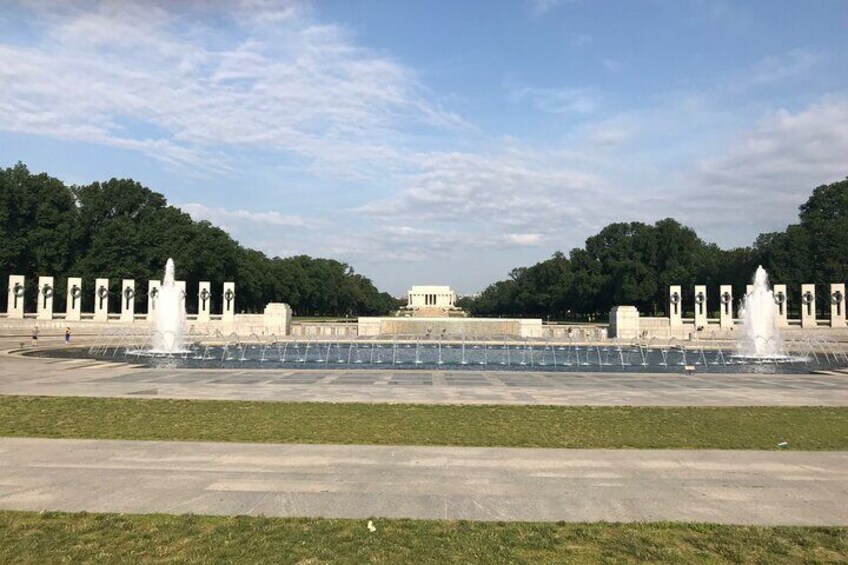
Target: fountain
761	338
169	317
759	350
255	352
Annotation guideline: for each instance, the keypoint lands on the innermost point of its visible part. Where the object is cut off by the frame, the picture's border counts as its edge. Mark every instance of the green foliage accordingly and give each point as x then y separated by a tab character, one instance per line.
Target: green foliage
635	263
120	229
38	225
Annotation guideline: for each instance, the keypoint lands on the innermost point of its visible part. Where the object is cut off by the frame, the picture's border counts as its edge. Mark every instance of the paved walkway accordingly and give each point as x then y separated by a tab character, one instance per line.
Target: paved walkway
739	487
85	377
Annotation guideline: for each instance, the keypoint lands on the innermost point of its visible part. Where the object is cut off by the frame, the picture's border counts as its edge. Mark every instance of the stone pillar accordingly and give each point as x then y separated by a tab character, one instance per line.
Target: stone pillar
73	308
228	304
675	307
15	304
182	286
808	306
128	300
780	297
152	295
837	305
204	301
624	322
726	311
700	307
45	298
101	300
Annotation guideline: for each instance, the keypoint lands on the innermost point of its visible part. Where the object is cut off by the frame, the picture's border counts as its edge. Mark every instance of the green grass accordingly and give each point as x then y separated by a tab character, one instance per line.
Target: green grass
27	537
804	428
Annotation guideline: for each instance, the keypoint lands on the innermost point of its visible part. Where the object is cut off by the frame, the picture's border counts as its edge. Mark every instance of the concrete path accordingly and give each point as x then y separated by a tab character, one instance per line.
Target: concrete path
85	377
740	487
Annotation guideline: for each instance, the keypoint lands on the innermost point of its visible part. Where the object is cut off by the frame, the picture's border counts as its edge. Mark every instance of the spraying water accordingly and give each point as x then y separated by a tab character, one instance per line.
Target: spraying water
761	338
169	315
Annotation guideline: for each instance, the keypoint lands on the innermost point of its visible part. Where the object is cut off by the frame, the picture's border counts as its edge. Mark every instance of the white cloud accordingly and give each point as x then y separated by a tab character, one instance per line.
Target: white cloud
608	134
225	216
791	65
410	244
272	12
762	177
567	100
786	154
516	188
612	64
526	196
544	6
523	239
188	91
405	244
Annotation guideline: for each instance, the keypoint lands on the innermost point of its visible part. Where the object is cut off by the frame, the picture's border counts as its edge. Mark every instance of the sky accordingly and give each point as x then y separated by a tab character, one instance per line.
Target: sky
436	142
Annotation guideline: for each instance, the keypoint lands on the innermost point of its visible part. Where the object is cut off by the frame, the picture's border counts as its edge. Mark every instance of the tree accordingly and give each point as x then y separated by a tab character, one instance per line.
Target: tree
38	226
634	264
824	221
120	229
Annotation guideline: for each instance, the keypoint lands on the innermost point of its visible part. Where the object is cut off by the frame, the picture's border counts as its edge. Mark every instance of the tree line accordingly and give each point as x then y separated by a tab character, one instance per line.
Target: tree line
634	264
120	229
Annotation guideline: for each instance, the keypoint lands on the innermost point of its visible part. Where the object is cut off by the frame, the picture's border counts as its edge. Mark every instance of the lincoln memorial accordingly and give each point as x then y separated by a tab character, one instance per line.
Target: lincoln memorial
431	297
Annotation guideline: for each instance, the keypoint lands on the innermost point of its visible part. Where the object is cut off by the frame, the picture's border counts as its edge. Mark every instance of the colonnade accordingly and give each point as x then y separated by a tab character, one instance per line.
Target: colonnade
102	293
807	295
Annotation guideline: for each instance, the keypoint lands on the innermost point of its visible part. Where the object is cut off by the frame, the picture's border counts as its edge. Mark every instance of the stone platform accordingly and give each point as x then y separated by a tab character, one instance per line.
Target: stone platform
730	487
86	377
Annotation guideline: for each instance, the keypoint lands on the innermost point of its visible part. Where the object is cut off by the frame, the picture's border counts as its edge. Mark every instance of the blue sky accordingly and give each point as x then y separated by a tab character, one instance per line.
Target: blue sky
436	142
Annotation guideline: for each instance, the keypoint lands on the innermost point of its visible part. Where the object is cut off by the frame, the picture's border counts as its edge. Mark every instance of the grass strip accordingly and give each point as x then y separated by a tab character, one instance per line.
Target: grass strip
803	428
28	537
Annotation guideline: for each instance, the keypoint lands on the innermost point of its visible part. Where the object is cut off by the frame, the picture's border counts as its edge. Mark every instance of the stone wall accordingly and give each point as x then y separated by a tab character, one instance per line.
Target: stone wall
657	327
450	327
565	332
241	324
344	330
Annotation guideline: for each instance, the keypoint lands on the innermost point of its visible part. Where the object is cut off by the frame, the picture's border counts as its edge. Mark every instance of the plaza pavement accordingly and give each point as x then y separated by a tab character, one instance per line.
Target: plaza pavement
735	487
738	487
85	377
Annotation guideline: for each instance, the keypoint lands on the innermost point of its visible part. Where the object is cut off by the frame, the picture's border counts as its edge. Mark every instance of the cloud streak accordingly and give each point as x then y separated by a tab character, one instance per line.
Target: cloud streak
544	6
300	87
566	100
220	216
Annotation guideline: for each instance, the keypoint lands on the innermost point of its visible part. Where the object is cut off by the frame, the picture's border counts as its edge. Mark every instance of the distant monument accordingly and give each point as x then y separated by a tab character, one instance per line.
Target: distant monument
431	302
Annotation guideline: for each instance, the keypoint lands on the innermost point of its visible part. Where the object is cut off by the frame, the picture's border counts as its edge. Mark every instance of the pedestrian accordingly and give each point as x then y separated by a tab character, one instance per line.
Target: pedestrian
35	336
67	335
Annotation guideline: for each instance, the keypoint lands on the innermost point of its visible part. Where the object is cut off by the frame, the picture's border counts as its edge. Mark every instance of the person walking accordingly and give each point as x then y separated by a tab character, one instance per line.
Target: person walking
67	335
35	336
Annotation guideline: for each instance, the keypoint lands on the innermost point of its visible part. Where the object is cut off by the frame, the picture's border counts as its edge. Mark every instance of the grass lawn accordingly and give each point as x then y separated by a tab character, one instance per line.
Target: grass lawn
27	537
804	428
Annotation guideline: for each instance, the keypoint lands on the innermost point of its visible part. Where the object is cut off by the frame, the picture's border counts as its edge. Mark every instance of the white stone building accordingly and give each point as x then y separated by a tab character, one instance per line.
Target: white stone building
426	297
